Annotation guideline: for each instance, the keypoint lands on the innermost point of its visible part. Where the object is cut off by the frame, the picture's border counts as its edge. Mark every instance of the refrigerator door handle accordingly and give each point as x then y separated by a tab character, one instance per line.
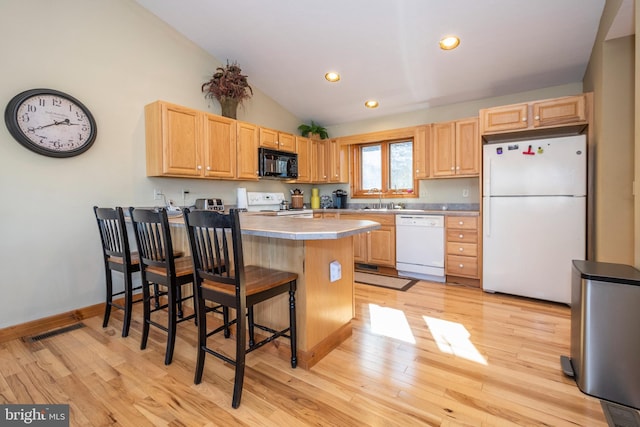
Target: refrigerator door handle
487	197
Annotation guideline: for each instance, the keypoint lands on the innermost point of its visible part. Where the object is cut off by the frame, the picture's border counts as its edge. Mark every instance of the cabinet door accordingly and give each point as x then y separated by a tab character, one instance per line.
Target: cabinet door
443	149
319	161
219	147
360	243
286	142
247	143
560	111
467	147
421	152
269	138
338	161
181	136
303	148
382	246
510	117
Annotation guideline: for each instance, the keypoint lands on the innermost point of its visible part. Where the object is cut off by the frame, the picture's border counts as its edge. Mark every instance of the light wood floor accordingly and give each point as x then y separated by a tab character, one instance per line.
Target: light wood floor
434	355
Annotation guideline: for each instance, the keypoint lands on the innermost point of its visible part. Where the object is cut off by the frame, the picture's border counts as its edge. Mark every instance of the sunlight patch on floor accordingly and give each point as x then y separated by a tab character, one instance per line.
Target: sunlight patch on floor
453	338
390	322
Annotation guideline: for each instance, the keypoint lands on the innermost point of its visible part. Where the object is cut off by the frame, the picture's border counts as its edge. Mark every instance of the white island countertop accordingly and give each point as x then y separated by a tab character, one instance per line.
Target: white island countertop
303	228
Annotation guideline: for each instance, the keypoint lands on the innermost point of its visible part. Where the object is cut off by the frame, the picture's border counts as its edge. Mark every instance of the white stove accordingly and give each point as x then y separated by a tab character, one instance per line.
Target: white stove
271	204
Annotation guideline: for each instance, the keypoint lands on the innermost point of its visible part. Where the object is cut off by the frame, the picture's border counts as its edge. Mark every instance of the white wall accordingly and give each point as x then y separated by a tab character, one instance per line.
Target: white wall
115	57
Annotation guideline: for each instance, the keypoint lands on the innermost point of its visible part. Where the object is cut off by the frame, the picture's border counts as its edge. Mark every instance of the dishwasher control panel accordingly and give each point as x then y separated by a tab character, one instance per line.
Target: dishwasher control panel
420	220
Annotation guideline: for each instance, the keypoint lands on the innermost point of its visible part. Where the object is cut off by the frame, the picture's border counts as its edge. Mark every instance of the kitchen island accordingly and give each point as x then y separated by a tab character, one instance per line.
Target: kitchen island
324	309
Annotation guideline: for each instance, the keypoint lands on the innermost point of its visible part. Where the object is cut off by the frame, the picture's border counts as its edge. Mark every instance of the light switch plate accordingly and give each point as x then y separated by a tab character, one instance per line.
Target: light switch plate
335	271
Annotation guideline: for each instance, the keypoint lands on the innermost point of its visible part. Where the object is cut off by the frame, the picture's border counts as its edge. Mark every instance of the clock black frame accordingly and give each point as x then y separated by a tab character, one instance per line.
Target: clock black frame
11	120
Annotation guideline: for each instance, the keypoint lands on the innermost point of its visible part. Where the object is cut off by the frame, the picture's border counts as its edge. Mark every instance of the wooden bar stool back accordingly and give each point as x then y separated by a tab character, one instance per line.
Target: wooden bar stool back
216	239
159	265
117	257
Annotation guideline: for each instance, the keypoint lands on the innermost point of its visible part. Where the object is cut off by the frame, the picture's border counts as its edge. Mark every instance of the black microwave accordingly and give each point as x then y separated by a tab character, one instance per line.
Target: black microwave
277	164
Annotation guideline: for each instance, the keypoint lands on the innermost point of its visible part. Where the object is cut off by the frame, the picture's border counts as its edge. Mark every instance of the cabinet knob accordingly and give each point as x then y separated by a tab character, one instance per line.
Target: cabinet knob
524	119
457	168
461	265
199	167
461	236
452	168
461	222
537	117
461	249
208	168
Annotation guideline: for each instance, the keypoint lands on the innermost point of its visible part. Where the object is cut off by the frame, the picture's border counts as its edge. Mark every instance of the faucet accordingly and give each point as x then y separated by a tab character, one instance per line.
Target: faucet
379	192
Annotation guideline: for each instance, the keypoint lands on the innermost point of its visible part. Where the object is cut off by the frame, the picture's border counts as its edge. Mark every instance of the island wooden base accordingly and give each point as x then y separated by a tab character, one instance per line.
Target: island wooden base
324	309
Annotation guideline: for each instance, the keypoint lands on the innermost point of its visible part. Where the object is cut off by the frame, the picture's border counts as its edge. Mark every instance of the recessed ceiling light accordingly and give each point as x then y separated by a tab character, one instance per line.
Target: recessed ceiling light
332	76
449	42
371	104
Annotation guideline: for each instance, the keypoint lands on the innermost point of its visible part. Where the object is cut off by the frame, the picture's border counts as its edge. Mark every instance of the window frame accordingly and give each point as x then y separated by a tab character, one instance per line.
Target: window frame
356	179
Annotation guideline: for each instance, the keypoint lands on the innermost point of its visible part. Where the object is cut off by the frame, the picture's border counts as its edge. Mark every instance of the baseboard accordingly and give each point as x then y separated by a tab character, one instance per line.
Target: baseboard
45	324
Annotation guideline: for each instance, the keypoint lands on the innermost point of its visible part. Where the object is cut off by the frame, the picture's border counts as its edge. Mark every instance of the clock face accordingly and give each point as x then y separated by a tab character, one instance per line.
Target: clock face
51	123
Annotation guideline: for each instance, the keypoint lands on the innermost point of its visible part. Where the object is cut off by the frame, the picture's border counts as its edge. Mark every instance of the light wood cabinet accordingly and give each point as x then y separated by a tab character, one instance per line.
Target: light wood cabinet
338	162
455	148
319	160
247	142
303	149
270	138
570	110
376	247
327	214
462	234
421	152
183	142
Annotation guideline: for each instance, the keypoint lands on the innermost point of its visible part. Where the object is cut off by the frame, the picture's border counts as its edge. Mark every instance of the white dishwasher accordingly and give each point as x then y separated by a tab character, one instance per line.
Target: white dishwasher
420	247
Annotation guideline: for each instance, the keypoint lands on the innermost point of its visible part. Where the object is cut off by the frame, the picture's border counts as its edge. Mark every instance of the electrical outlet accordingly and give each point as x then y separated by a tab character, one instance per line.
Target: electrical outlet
157	194
465	192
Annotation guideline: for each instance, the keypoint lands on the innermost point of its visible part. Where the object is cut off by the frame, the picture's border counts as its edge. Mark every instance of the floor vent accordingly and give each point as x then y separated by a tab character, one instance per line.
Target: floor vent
55	332
620	416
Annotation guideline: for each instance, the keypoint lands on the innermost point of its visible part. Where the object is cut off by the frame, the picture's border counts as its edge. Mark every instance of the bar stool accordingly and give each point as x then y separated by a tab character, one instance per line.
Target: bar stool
158	265
237	286
117	257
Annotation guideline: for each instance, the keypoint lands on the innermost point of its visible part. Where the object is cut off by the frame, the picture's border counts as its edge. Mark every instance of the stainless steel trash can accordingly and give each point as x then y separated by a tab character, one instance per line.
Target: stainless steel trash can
605	331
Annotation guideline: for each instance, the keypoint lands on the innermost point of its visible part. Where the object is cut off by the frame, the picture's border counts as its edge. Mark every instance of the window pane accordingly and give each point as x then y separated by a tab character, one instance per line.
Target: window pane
371	167
401	165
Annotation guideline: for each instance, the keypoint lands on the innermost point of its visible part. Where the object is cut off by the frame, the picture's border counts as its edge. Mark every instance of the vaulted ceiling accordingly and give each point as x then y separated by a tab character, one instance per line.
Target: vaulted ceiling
388	49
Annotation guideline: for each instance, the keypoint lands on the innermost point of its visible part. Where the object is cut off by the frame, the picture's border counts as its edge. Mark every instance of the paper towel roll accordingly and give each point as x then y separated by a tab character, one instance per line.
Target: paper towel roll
241	194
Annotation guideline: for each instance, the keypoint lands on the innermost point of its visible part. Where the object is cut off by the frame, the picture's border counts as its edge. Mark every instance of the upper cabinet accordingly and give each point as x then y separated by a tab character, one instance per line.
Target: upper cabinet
247	142
188	143
455	148
303	149
566	111
276	140
421	152
319	160
338	161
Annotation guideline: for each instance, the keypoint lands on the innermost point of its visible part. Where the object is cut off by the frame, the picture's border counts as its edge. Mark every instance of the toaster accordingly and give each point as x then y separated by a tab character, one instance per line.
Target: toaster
210	204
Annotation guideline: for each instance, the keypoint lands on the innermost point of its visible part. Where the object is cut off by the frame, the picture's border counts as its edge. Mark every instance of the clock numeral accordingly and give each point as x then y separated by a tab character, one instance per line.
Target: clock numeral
80	137
31	108
56	102
42	102
24	117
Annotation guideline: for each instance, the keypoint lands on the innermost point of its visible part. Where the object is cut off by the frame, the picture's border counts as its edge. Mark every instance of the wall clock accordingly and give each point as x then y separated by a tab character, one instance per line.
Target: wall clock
50	122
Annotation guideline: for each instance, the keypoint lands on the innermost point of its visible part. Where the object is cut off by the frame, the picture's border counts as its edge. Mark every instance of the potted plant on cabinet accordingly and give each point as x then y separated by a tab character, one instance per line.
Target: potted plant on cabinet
230	87
312	130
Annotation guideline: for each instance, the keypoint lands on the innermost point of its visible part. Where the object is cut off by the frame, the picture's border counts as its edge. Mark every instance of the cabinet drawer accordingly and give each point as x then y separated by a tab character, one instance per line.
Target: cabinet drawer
462	266
383	219
465	249
465	236
463	222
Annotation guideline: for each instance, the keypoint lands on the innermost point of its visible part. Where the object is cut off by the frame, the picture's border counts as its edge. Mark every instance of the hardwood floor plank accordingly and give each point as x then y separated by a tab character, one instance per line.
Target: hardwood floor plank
436	355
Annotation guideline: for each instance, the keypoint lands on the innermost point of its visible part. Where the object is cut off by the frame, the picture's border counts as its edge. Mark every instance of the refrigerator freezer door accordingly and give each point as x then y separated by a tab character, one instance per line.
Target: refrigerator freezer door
553	166
529	244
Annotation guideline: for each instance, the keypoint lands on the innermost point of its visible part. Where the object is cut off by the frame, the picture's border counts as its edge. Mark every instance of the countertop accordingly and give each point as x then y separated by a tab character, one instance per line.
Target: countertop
282	227
400	212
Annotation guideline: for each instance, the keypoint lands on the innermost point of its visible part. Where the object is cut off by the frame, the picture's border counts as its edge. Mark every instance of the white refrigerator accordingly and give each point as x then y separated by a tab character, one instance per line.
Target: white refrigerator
534	216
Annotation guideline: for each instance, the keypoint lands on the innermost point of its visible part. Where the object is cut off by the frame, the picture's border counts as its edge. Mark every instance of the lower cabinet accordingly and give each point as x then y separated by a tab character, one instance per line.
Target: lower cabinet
376	247
462	248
